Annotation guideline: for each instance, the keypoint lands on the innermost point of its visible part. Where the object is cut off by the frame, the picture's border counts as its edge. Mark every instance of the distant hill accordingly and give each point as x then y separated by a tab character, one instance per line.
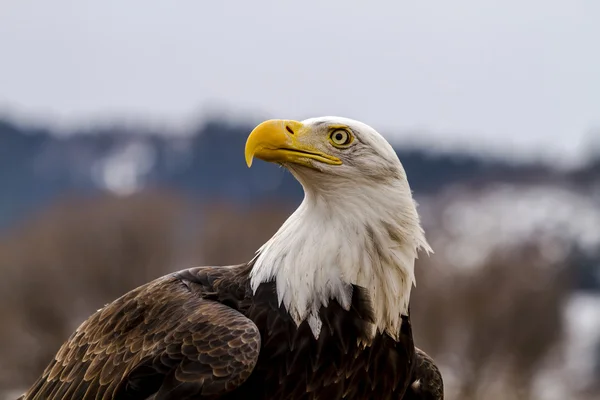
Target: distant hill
38	165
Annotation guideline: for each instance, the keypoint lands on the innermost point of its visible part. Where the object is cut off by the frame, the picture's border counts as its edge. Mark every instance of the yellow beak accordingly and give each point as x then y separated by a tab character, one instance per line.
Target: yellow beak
285	141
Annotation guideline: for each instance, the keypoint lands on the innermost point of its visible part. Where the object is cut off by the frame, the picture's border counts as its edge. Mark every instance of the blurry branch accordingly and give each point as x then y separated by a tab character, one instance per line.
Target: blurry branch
231	234
71	261
496	323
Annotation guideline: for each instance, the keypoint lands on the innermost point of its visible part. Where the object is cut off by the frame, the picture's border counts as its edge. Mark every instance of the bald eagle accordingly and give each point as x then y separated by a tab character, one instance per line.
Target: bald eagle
320	312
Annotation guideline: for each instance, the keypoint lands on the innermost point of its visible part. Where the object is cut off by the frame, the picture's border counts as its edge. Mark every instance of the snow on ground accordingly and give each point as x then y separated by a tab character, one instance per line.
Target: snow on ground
574	373
122	171
476	222
583	333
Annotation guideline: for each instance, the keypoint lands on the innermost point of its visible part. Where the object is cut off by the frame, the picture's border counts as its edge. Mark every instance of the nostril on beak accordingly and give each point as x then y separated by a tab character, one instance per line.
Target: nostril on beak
289	129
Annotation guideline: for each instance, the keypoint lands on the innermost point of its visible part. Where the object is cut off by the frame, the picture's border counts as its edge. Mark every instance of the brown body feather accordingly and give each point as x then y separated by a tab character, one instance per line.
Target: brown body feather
202	334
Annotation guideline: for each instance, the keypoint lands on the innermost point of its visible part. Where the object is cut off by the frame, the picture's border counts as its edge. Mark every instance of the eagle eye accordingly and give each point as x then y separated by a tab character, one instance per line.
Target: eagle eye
340	138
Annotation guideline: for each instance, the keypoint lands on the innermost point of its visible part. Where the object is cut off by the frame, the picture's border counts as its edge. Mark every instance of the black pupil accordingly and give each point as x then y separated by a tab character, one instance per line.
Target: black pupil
339	136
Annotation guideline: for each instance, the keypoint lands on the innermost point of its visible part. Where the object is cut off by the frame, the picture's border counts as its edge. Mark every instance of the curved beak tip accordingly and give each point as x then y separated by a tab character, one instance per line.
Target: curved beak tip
249	158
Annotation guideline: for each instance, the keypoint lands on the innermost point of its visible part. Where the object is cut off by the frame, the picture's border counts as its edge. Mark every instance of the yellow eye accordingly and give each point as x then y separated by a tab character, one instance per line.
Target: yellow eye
340	137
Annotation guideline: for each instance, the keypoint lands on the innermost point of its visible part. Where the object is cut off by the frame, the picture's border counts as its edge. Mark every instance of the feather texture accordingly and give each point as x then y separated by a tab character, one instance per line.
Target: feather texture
163	338
426	382
203	334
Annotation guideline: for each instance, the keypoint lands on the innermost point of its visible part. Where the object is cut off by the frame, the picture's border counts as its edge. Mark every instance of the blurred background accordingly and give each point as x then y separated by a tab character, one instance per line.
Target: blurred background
123	124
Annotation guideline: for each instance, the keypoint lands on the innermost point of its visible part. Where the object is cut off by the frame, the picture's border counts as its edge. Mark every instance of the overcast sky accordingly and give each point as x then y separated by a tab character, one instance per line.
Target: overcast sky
510	74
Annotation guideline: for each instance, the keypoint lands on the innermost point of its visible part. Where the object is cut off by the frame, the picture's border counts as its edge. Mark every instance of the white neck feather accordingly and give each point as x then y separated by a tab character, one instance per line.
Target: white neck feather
344	234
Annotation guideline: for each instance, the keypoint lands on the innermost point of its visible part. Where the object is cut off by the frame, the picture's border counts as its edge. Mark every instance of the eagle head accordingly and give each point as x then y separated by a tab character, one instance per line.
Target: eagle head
326	150
357	225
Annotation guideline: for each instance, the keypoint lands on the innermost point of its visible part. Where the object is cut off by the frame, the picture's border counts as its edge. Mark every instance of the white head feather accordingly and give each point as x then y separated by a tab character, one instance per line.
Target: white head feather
358	225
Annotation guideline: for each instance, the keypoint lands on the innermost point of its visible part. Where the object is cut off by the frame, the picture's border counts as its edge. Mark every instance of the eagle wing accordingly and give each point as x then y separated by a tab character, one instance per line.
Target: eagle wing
161	339
426	382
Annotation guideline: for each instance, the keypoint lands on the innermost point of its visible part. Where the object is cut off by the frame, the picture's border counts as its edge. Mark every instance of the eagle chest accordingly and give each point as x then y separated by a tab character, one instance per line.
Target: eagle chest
337	365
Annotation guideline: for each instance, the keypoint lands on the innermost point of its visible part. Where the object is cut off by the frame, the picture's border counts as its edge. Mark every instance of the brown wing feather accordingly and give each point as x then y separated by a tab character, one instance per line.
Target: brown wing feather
426	382
159	339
